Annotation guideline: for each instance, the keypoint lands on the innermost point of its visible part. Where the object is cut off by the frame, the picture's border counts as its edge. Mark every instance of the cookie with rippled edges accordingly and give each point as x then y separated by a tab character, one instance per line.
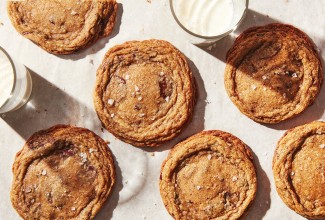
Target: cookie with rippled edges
63	27
144	92
273	73
64	172
210	175
299	169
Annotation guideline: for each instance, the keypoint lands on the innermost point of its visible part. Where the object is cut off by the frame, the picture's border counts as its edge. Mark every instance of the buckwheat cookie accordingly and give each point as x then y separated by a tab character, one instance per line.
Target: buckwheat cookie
144	92
64	172
210	175
63	27
299	169
273	72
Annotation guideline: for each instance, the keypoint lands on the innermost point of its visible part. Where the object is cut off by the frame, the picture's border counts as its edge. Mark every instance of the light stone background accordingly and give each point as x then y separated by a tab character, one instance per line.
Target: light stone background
62	93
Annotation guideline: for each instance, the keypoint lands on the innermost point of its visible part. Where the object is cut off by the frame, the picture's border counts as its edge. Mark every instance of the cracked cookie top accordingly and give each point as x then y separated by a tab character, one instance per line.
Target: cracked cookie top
63	27
273	72
299	169
144	92
210	175
63	172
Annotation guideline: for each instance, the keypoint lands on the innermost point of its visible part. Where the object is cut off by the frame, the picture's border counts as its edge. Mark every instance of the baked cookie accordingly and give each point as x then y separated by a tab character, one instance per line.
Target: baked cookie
299	169
144	92
273	72
63	27
210	175
64	172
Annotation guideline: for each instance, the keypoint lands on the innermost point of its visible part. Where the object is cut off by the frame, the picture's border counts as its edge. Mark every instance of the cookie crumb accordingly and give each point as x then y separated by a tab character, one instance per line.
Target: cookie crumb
112	115
73	12
234	178
294	75
140	98
322	146
110	102
209	157
152	154
73	208
253	87
198	187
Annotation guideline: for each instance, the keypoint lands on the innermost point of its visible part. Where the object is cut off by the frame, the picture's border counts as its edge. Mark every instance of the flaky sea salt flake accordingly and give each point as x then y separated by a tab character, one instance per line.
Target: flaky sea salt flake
83	157
110	102
92	150
73	12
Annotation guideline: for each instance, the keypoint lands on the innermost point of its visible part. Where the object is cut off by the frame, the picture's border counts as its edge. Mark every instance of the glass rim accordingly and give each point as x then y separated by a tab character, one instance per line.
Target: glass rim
208	37
14	73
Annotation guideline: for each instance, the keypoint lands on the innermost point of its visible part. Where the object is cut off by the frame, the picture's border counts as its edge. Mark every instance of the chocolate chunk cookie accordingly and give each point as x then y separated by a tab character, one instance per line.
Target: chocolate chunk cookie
63	27
210	175
299	169
273	72
64	172
144	92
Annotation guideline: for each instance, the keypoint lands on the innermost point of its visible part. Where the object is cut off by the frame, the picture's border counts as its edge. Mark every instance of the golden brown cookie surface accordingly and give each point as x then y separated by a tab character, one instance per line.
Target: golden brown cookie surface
63	27
144	92
273	72
208	176
299	169
62	173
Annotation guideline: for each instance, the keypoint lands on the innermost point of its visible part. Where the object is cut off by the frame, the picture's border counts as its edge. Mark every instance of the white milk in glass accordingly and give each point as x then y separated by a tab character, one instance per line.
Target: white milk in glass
206	21
7	78
205	17
15	83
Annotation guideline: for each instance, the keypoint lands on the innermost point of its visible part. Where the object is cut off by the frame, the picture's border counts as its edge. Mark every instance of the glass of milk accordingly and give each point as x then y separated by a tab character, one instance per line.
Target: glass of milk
206	21
15	83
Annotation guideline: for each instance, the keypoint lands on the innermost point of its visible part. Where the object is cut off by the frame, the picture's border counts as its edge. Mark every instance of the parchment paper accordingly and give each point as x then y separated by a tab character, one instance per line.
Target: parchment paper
62	93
